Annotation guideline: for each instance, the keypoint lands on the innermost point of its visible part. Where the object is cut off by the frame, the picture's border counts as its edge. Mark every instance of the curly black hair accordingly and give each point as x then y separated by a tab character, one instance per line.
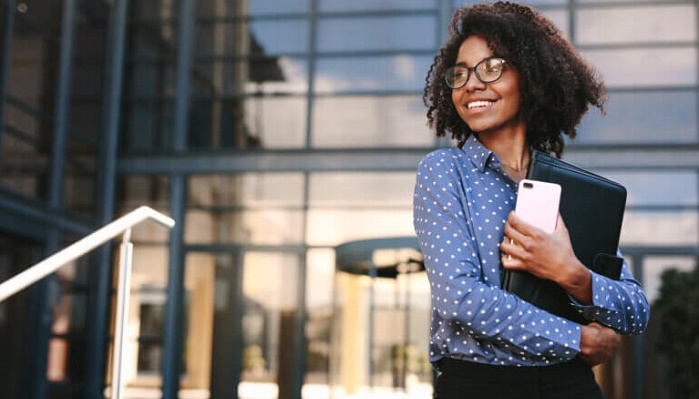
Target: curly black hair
557	85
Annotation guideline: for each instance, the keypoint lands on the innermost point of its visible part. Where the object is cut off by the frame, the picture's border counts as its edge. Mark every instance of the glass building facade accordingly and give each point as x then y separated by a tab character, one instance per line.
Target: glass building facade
283	137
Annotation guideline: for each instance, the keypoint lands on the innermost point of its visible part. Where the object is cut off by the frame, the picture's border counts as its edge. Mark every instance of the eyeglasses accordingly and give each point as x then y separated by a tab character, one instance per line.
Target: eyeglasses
487	71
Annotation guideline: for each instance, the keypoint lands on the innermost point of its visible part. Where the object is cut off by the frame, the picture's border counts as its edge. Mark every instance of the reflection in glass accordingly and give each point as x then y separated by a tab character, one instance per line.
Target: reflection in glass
228	9
150	9
146	125
270	282
241	324
395	73
263	227
208	9
281	36
143	342
68	308
149	190
369	190
668	23
250	208
266	7
221	37
373	5
643	117
320	270
277	122
331	227
672	188
248	190
646	67
29	99
538	3
660	228
268	122
381	290
370	121
377	33
277	75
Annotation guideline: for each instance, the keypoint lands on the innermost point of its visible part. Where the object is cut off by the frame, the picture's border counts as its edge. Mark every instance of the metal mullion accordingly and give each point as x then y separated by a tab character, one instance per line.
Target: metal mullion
6	48
62	117
173	335
56	175
312	43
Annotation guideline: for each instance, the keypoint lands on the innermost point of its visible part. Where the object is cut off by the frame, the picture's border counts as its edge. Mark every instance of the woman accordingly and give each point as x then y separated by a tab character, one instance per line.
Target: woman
507	82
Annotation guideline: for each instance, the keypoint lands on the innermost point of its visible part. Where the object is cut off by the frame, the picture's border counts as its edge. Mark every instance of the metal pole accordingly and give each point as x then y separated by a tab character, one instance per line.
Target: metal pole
121	317
49	265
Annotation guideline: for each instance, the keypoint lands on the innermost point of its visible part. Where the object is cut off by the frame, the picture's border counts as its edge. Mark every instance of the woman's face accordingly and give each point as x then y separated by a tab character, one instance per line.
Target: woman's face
487	107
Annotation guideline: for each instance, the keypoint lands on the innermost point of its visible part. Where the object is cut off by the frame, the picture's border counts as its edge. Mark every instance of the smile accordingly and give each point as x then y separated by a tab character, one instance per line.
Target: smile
479	104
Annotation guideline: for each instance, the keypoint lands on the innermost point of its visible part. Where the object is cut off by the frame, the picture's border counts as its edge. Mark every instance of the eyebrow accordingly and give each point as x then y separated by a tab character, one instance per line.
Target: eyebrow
463	64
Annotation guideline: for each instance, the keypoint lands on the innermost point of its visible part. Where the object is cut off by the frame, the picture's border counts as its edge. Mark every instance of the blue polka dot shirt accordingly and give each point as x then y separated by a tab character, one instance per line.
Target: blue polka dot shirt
461	201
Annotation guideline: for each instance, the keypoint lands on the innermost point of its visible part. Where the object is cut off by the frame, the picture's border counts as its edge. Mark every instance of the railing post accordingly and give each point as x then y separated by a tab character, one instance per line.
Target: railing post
49	265
121	317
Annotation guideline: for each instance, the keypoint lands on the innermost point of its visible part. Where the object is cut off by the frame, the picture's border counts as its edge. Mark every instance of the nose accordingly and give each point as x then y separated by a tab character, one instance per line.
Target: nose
473	83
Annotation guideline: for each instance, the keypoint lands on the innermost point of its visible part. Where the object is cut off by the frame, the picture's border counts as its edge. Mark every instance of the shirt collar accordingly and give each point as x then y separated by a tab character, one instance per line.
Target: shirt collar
477	153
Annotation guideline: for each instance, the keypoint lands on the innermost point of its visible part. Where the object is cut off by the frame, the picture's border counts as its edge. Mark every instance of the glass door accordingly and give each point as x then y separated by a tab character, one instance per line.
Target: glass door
242	313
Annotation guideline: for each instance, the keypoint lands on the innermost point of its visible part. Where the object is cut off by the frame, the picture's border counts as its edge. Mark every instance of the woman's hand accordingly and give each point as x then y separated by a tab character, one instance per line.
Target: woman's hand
547	256
597	343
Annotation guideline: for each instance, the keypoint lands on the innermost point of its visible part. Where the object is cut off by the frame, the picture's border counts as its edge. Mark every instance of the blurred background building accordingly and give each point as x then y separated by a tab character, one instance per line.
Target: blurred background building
283	137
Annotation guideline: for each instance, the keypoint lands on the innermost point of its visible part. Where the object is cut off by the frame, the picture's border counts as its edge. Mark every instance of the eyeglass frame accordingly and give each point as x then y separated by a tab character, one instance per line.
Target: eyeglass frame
475	71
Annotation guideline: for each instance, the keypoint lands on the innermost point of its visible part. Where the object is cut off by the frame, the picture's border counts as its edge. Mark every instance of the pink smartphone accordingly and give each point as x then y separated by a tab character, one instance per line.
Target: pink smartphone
537	203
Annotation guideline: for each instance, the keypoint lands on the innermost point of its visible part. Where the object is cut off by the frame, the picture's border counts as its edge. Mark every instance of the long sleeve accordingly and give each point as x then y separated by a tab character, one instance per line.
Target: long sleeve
459	213
621	305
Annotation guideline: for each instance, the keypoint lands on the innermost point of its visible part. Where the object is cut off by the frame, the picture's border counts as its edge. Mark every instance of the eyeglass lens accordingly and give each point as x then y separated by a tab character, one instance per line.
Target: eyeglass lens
487	71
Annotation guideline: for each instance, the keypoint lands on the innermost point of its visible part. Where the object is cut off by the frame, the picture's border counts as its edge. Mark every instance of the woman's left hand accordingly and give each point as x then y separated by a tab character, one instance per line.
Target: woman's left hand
548	256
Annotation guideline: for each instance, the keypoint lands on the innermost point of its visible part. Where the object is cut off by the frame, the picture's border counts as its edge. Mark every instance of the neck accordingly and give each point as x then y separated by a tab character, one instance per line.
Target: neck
513	150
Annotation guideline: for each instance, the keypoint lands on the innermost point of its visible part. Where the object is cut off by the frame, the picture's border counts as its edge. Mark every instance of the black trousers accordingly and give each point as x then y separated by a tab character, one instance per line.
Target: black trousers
458	379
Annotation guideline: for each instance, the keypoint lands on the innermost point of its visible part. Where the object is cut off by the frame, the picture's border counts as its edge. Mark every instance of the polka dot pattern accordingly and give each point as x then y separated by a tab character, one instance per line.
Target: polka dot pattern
461	201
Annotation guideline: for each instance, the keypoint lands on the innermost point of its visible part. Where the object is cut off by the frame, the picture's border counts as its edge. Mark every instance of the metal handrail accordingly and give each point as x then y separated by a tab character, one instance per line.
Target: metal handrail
54	262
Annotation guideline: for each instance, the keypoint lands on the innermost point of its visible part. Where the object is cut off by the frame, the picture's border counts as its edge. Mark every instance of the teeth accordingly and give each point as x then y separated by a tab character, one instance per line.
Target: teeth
479	104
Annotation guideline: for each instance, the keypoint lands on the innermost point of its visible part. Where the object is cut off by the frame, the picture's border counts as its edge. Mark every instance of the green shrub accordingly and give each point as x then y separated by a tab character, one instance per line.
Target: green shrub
677	309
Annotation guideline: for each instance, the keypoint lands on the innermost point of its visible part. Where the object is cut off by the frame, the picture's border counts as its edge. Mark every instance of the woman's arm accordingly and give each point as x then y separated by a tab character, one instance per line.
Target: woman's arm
461	296
621	304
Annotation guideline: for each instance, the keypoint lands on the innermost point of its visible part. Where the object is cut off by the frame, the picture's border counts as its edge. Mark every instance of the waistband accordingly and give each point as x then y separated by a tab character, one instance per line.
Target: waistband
456	366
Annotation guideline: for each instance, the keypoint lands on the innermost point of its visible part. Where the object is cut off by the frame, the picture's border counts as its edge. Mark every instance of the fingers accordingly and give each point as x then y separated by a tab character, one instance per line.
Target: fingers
598	343
513	230
510	259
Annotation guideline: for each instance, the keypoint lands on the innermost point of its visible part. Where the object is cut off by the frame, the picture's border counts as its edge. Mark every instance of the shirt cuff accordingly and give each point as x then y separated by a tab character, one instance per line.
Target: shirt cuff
597	311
